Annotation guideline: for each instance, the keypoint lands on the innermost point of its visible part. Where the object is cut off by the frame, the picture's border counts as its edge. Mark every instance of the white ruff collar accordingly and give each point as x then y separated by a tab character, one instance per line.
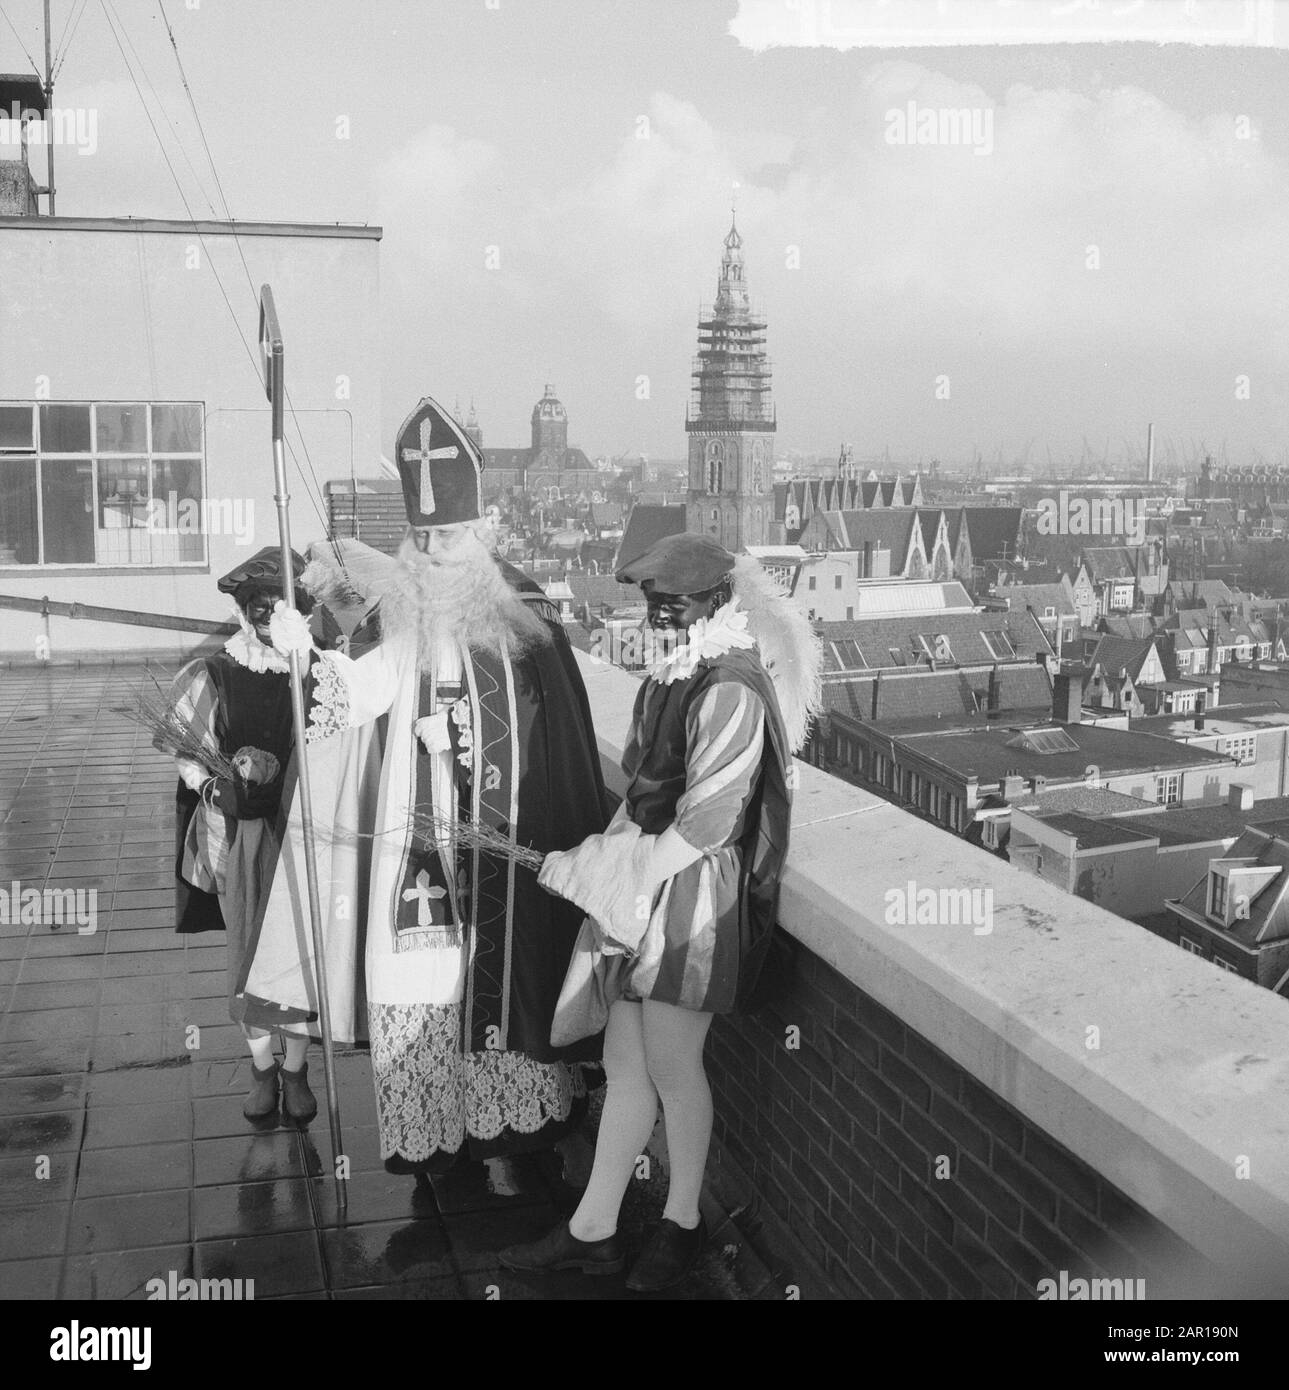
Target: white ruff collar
708	637
247	650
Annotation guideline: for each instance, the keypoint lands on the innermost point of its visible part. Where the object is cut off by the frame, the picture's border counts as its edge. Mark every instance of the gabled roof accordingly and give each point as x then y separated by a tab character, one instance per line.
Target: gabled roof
888	529
935	700
993	532
929	520
646	525
1038	597
971	639
1268	906
1132	625
1118	656
1200	593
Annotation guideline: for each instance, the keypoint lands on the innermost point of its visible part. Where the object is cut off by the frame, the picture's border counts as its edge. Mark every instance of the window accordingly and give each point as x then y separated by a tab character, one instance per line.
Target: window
1000	645
1243	748
850	614
105	483
1049	611
1217	896
1226	965
811	584
1192	946
836	581
1168	789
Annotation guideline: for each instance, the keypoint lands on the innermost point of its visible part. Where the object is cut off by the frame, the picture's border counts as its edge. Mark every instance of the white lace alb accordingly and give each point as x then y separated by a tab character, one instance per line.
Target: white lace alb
429	1095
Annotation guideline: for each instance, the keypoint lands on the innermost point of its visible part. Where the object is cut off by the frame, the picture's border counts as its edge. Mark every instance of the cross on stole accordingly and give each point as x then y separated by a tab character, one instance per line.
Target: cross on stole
423	455
423	893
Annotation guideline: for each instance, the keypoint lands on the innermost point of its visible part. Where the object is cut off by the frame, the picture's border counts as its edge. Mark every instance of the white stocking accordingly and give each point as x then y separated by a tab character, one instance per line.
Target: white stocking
673	1041
627	1121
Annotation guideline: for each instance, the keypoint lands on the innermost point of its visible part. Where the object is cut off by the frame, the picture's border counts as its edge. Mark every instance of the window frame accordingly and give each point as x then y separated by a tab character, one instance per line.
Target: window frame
94	457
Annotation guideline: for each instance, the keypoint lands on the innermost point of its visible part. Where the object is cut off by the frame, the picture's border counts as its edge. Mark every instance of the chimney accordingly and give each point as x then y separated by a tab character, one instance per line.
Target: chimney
1200	703
1013	785
1239	796
1150	453
992	700
1067	697
877	691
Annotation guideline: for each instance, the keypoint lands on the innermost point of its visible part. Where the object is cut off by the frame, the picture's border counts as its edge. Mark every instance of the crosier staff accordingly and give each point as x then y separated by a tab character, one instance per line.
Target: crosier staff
273	358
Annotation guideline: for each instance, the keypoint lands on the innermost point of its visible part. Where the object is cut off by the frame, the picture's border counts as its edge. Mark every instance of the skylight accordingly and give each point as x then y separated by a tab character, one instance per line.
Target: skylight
1044	741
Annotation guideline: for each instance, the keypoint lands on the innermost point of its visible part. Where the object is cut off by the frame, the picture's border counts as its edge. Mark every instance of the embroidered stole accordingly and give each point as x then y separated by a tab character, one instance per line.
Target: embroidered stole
452	895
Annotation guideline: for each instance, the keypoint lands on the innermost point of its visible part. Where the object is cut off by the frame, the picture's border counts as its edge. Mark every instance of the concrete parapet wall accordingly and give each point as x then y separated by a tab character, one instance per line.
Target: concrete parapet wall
1105	1104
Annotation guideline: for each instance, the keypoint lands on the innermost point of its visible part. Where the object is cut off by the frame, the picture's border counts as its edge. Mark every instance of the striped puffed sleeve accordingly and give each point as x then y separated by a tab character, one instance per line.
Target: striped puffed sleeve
725	731
194	700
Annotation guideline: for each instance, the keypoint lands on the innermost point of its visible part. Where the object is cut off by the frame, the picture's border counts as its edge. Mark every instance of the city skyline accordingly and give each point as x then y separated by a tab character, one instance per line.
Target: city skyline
890	273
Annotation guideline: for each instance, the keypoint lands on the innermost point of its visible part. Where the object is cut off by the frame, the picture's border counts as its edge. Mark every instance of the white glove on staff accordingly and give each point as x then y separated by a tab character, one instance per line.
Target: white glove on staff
289	629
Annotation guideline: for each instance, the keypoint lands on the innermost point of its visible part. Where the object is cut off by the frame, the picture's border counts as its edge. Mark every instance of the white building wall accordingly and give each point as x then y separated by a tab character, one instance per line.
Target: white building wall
117	311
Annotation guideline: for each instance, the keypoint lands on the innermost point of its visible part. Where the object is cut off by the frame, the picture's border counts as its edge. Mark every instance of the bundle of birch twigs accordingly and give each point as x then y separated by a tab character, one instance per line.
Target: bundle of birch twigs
469	834
155	711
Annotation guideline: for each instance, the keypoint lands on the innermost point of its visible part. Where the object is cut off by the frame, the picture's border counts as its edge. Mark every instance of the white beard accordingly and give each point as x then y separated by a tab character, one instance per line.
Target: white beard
470	602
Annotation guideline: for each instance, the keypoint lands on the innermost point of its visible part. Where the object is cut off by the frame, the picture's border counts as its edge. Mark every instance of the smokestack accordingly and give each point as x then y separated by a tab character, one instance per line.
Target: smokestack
1150	453
1067	697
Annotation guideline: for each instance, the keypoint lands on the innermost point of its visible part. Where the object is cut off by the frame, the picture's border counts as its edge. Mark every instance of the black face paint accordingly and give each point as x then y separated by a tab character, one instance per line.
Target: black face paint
679	612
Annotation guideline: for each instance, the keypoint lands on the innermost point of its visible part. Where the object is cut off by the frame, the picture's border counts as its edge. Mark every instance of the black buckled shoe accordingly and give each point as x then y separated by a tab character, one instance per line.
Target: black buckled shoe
262	1100
669	1256
561	1249
297	1099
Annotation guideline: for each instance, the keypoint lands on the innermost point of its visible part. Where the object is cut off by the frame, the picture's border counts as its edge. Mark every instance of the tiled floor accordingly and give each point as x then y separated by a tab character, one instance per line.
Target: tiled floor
123	1151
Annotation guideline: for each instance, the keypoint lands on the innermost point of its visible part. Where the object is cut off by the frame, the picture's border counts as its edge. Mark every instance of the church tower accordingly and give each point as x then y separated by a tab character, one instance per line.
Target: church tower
730	421
473	428
550	432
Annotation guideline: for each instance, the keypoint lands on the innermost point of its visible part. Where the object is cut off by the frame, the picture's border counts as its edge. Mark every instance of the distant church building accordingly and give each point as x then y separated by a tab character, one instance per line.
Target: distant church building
730	420
548	464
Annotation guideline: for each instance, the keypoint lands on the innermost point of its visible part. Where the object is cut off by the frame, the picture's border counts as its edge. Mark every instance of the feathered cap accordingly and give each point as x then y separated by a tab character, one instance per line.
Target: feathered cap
791	651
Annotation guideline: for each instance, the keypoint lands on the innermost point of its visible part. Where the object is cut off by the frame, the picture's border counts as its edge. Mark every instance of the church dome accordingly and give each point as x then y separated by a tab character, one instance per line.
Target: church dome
549	407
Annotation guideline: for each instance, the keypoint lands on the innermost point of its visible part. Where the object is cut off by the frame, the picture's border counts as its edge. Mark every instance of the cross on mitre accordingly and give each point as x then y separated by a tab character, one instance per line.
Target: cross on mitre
424	455
424	894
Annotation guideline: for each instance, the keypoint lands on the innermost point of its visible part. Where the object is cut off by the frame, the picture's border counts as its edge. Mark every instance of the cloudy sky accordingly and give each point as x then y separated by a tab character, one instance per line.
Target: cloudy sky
595	145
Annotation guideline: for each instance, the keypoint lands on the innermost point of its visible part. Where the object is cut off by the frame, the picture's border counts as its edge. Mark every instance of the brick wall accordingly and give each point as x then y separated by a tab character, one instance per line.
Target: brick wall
832	1148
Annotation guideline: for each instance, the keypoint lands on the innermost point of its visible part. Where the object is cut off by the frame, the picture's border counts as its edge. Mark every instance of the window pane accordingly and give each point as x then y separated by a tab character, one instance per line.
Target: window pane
123	534
176	429
64	429
18	542
177	512
121	429
67	499
16	427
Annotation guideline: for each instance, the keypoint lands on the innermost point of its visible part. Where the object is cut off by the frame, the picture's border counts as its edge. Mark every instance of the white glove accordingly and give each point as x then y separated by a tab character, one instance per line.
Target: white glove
289	630
432	730
613	877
